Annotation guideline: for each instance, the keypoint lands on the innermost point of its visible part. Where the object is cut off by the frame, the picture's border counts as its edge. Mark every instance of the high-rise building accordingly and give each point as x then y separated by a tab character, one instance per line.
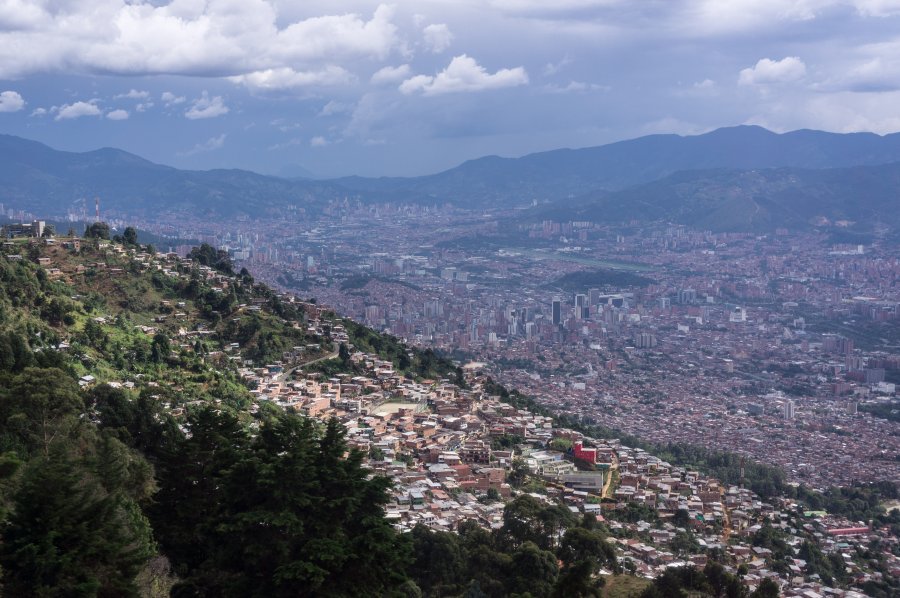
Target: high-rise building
687	296
645	340
789	409
557	311
581	303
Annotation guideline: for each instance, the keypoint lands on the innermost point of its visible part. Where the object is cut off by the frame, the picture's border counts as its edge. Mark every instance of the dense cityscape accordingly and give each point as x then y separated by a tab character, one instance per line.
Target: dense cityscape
767	345
455	449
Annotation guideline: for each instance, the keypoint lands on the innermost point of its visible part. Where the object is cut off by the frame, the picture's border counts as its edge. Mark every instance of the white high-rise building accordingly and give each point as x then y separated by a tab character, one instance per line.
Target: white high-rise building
789	409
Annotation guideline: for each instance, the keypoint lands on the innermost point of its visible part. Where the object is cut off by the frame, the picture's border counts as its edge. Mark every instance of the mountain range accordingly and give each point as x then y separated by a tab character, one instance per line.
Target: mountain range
48	181
745	178
564	173
857	197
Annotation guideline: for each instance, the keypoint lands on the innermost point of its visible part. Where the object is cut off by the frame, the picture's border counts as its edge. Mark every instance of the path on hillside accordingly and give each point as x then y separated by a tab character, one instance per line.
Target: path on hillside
614	466
287	373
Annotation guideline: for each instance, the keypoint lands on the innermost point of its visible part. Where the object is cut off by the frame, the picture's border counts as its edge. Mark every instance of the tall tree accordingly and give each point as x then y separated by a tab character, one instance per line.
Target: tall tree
68	535
129	236
42	406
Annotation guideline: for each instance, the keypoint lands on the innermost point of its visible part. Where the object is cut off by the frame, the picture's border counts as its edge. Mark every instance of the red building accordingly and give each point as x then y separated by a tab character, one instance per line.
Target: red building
585	454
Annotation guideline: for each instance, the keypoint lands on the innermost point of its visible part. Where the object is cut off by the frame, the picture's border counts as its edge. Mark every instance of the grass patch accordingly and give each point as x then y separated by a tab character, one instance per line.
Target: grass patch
624	586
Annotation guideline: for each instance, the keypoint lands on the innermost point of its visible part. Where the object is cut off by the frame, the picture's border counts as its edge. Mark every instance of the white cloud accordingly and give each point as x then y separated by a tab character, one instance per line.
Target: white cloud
206	107
117	114
843	112
39	112
464	74
333	107
285	126
769	71
551	68
211	144
734	16
133	94
20	15
181	37
878	8
575	87
330	37
318	141
390	74
287	78
77	110
704	89
873	68
437	37
292	142
672	125
170	99
541	6
11	101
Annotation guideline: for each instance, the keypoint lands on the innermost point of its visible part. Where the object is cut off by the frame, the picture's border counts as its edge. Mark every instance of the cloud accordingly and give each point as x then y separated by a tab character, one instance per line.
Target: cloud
38	112
575	87
876	68
551	68
437	37
181	37
843	112
133	94
117	114
318	141
333	107
287	78
878	8
285	126
206	107
768	71
292	142
542	8
390	74
77	110
672	125
11	101
211	144
170	99
464	74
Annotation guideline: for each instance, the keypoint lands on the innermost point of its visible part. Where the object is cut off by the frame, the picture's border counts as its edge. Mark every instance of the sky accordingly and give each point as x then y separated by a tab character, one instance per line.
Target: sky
331	88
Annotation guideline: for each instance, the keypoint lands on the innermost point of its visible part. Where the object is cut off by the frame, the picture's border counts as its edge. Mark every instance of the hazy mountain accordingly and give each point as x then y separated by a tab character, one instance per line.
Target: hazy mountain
565	173
748	200
49	181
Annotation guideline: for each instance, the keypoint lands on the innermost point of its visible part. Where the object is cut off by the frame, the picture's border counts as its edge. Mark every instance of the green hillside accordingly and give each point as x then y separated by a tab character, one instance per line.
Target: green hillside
134	462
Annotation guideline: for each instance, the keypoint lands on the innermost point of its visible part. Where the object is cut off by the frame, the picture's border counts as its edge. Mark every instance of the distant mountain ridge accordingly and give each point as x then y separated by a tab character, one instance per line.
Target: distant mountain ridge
748	200
662	171
50	181
559	174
